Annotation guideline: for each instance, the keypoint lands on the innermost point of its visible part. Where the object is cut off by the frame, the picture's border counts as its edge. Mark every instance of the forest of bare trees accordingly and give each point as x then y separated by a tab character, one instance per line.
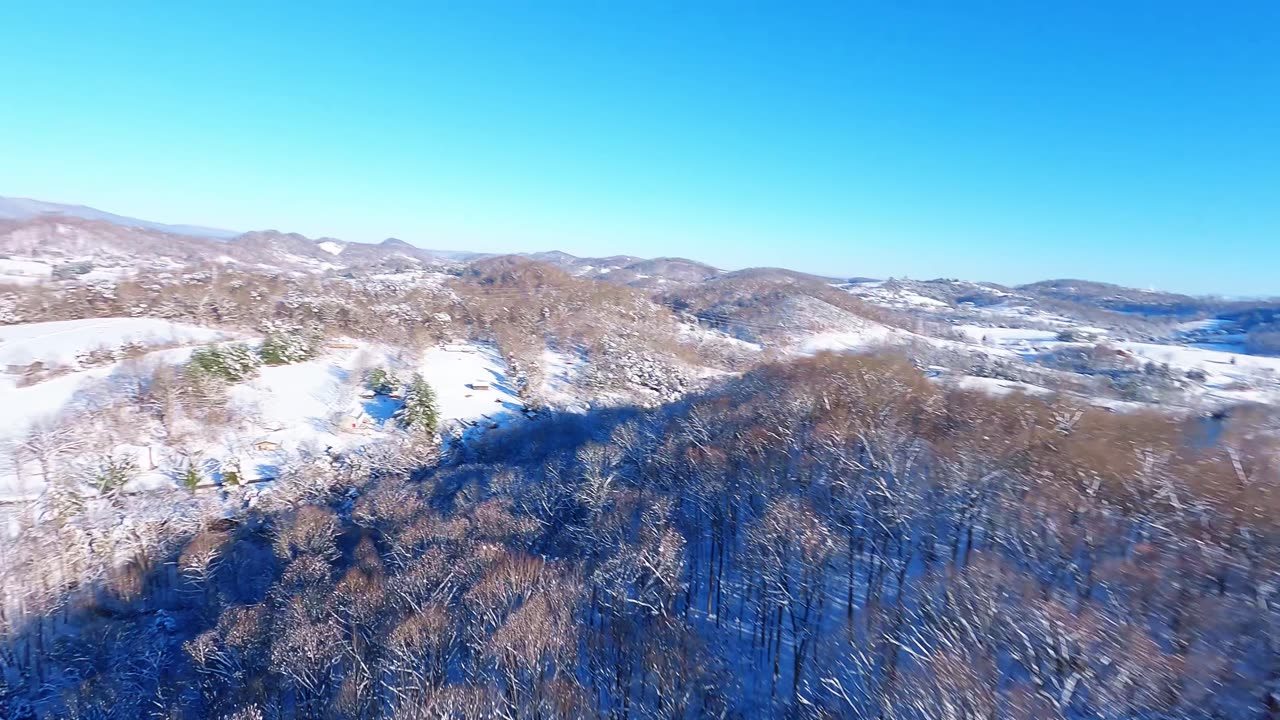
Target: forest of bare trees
835	537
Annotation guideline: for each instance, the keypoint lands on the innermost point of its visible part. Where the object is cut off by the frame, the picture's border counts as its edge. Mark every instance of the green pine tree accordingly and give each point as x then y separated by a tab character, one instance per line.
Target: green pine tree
380	382
419	413
114	473
191	478
232	363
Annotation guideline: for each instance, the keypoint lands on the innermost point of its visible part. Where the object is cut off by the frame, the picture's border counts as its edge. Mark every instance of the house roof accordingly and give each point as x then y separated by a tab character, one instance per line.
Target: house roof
275	438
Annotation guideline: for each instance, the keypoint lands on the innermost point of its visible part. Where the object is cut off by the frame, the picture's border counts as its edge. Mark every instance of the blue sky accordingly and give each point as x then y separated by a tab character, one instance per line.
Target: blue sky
1135	142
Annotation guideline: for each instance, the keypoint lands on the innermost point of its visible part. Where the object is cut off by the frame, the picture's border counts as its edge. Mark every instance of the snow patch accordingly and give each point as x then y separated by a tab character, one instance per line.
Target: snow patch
457	377
559	372
996	386
1005	336
868	337
59	342
15	270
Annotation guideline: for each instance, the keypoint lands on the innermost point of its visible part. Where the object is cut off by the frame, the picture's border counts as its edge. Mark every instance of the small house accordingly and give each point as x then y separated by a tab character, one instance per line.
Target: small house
355	422
479	384
265	445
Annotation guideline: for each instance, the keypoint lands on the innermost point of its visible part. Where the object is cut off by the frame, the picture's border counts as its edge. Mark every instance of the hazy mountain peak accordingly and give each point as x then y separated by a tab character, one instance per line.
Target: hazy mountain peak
27	208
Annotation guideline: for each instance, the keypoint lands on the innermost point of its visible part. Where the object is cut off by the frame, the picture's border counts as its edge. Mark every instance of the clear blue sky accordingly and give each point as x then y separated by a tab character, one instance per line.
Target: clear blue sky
1137	142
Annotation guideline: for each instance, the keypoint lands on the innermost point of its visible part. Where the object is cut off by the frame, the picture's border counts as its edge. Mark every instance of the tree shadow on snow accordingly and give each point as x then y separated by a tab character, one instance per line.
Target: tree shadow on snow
91	638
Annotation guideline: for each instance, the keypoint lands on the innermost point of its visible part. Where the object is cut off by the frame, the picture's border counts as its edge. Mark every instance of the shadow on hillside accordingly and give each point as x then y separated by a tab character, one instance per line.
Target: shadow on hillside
548	435
149	608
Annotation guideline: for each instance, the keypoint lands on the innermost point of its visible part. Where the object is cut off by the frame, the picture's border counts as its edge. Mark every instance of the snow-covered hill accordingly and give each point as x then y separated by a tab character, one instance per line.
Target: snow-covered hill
281	413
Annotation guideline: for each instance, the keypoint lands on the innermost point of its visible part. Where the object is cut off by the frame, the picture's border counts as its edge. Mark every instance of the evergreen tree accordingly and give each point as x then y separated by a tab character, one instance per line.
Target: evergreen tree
230	472
191	478
287	346
113	473
232	363
380	382
240	362
419	412
64	501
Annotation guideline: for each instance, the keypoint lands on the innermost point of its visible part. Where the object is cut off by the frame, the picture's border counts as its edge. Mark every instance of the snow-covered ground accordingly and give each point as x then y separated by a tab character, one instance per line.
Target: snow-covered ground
1025	314
1002	336
559	370
29	405
62	386
893	297
1212	362
311	406
695	334
27	401
454	374
59	342
1229	377
873	335
17	271
283	412
995	386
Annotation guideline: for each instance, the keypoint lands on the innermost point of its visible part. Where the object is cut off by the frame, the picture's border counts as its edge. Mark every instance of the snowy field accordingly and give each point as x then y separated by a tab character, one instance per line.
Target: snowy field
455	373
858	340
1025	314
877	293
24	272
559	371
283	412
320	404
1001	336
60	342
1212	362
995	386
63	386
76	391
58	345
875	335
1230	377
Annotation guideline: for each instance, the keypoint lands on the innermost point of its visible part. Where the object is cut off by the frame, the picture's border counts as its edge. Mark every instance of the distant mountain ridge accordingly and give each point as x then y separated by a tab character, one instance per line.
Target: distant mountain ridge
12	208
27	224
56	239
